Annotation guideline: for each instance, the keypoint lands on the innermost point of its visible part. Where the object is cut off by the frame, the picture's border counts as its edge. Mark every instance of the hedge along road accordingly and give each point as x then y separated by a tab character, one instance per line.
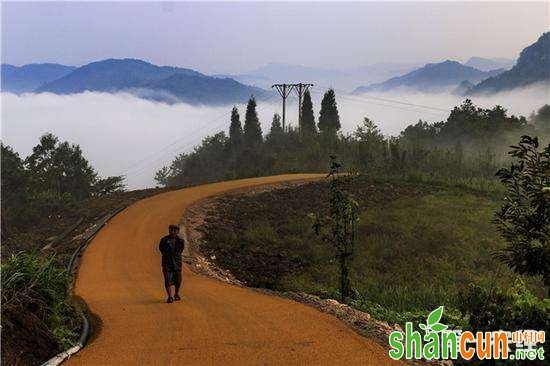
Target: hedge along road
215	323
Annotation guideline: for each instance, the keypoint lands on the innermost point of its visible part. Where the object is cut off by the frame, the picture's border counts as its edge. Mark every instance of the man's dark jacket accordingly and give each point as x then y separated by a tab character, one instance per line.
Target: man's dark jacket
171	256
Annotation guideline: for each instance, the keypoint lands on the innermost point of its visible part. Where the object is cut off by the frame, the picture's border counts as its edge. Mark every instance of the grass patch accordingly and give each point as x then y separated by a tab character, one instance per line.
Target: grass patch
419	246
39	285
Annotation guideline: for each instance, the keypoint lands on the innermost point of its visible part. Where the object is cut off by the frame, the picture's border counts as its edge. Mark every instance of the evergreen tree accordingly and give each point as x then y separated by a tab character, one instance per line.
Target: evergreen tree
252	128
235	130
329	121
276	127
308	119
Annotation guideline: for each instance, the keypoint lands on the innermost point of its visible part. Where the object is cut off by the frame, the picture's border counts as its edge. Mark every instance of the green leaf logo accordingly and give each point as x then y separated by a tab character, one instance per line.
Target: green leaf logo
432	323
435	315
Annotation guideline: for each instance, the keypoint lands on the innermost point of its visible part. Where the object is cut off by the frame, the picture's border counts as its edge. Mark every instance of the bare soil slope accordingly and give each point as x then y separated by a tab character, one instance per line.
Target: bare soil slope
215	323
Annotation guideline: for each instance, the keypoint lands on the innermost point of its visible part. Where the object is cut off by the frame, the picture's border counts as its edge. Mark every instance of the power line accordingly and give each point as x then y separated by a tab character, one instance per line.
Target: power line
365	97
135	169
363	100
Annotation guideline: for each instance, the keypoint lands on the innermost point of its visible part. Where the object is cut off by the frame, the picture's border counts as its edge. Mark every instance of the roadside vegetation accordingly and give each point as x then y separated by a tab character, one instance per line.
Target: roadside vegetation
34	293
47	199
465	149
418	246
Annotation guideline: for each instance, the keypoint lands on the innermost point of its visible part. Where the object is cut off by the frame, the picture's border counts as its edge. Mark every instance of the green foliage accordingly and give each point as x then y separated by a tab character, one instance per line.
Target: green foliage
370	147
207	163
418	246
41	285
541	120
15	180
109	185
329	119
339	227
252	129
504	308
276	127
235	130
53	175
464	150
524	219
60	168
308	118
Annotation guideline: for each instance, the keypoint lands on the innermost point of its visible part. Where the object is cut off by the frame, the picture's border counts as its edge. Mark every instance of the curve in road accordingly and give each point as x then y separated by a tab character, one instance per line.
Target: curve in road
215	323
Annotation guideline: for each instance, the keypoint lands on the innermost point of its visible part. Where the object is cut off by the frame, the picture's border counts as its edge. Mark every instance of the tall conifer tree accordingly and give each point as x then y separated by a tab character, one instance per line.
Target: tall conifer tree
308	118
235	129
329	120
252	128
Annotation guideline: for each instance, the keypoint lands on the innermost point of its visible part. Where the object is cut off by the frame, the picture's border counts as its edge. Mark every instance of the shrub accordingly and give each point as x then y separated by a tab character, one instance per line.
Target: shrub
40	285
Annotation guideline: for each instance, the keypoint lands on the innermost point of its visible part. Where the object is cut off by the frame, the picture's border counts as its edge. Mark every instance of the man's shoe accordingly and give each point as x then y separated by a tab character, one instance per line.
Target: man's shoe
177	297
170	300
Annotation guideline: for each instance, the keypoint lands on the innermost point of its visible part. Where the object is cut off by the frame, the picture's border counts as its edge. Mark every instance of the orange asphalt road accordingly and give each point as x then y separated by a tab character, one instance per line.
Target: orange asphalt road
215	323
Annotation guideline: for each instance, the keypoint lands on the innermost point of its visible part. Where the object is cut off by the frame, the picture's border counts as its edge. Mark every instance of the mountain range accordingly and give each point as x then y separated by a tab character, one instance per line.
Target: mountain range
175	84
434	77
533	66
161	83
488	64
21	79
346	79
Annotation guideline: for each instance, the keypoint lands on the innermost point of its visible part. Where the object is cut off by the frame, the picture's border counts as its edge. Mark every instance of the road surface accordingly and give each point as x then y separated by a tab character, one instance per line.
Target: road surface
215	323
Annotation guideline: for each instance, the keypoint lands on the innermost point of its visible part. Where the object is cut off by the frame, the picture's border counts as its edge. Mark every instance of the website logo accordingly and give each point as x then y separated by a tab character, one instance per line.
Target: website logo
439	342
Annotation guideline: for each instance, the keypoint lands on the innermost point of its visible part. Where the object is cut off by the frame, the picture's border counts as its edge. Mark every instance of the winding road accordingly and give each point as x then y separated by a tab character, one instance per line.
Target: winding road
215	323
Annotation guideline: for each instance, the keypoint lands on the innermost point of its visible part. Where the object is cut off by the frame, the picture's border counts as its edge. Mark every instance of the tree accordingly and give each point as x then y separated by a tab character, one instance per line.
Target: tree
329	120
370	144
60	168
163	175
235	130
252	128
542	119
339	227
524	218
14	183
104	186
276	130
209	162
308	118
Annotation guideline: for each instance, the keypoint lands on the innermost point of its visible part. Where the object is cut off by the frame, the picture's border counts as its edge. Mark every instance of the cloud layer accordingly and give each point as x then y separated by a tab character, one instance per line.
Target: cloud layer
122	134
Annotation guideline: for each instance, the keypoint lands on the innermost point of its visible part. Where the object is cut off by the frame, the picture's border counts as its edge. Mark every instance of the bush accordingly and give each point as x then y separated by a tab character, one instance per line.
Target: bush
507	309
40	286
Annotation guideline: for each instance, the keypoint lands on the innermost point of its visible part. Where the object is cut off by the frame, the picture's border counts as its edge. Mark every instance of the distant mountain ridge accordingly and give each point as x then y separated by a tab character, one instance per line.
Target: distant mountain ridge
26	78
160	83
111	75
195	89
346	78
533	66
488	64
433	77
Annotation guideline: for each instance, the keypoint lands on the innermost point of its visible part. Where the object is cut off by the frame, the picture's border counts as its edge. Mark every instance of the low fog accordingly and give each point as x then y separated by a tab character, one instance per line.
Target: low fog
121	134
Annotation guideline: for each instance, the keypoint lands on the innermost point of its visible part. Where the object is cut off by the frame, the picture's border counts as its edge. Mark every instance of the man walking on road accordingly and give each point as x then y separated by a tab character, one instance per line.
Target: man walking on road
171	246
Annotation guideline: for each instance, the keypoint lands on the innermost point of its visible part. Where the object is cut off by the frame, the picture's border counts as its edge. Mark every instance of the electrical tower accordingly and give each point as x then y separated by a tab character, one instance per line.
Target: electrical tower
285	90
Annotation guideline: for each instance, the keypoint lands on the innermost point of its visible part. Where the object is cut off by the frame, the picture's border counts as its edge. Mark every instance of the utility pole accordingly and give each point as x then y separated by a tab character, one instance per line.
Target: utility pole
284	91
300	88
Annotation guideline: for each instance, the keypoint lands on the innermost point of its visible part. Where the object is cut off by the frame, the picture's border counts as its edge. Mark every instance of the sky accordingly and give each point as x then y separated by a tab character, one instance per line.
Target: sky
240	36
122	134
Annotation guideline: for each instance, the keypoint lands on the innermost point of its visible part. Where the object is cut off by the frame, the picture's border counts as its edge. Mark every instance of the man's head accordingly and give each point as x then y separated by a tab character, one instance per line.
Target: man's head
173	230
